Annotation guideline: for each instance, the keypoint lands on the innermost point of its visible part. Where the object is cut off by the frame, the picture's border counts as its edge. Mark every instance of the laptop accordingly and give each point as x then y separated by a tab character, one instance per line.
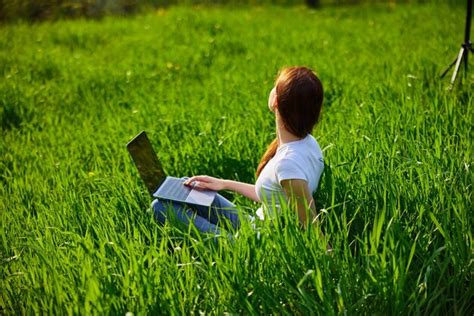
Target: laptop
157	182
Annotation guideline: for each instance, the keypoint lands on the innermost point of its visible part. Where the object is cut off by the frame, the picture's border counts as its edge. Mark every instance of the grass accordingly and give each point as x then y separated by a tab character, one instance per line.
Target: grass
395	198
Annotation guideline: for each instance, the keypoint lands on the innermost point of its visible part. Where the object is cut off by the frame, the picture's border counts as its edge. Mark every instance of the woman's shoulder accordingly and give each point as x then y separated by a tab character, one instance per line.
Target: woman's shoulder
308	147
306	156
314	142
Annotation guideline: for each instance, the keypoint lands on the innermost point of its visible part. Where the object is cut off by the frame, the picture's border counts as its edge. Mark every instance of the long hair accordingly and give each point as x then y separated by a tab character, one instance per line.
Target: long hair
299	95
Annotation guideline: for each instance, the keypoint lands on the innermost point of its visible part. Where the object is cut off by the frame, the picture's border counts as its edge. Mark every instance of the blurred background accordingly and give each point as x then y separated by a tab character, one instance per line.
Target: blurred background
37	10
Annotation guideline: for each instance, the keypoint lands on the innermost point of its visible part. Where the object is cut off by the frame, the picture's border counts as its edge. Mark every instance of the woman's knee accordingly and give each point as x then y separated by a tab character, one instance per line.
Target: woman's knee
159	210
164	210
221	202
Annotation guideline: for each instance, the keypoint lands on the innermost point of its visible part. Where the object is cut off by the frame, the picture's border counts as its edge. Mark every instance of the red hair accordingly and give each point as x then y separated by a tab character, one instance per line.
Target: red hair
299	95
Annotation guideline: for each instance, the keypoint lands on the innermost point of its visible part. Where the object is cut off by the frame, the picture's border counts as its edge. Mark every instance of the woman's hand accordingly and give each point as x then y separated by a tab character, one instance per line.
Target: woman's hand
215	184
205	182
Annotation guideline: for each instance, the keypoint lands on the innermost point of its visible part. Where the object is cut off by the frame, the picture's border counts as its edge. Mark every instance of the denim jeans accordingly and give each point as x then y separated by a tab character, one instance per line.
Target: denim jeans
206	219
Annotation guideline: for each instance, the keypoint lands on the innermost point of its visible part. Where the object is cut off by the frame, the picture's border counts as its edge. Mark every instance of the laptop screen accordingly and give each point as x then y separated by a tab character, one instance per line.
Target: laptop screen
147	162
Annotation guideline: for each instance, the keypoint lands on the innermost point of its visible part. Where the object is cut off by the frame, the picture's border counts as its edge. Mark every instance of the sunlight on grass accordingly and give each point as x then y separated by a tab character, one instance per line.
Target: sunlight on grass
394	199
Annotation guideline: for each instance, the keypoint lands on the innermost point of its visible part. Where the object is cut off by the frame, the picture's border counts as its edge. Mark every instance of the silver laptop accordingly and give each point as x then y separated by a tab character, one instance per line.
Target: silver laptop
157	182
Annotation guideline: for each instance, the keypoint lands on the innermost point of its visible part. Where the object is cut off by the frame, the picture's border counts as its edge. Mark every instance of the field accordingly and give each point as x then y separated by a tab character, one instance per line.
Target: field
395	199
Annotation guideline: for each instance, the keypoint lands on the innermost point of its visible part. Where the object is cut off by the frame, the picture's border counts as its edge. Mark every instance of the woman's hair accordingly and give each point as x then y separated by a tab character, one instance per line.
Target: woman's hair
299	95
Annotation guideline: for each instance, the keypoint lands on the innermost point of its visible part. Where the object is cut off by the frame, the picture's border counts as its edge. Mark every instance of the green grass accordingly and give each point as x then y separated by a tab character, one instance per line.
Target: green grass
397	189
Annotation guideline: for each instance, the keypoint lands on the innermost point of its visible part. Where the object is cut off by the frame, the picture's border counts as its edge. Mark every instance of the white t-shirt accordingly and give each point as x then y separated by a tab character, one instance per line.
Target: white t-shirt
301	159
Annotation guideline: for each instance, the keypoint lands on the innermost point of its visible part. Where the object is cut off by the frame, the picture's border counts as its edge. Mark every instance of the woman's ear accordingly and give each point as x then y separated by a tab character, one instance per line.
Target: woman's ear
272	100
275	104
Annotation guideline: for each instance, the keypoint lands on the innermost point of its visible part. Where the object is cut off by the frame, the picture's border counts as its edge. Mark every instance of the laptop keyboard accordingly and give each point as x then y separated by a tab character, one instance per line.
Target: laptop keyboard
174	189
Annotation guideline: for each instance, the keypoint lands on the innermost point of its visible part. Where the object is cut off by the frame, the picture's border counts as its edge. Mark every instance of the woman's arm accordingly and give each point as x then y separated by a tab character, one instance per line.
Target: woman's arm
211	183
301	200
246	189
297	191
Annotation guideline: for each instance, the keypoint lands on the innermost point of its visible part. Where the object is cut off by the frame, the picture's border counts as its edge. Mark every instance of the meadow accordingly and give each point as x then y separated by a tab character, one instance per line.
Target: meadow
395	198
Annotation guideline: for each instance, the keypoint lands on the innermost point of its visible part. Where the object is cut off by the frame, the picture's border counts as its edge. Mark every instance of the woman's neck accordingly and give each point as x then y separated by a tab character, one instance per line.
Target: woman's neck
284	136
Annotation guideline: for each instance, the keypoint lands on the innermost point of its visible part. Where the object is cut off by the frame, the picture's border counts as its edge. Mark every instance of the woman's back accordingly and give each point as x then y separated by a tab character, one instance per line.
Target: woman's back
301	159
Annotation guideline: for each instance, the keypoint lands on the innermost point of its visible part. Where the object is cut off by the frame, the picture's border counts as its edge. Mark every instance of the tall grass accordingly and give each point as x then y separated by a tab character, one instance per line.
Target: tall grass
395	198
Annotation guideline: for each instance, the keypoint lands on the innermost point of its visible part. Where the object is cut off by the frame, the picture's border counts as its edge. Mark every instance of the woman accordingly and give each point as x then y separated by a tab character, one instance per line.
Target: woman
291	166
